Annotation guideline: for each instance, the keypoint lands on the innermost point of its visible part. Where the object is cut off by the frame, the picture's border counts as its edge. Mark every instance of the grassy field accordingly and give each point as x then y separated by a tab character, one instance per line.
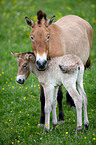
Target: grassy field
20	104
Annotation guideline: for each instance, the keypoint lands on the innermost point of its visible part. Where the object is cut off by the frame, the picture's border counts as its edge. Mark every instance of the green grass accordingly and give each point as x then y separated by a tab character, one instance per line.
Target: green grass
20	105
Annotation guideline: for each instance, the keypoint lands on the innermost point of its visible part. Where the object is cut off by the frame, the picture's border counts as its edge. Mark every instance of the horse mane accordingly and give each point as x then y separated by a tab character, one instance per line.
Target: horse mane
40	16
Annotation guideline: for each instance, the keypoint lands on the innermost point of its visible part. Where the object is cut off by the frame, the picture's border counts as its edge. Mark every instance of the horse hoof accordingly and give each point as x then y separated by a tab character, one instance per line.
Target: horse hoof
61	116
86	126
40	125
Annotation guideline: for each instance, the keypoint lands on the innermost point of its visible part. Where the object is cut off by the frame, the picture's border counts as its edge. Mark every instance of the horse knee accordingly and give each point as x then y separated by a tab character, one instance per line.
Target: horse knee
79	103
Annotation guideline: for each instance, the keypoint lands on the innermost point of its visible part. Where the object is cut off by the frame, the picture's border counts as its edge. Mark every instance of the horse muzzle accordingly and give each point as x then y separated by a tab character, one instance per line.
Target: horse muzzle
21	79
41	61
41	66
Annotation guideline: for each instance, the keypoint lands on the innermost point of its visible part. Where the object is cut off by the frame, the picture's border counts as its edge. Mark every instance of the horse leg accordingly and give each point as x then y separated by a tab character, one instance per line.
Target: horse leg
59	99
69	100
42	99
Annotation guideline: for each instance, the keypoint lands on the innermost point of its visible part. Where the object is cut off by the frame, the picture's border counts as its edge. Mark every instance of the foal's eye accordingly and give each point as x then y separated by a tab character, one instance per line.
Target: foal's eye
24	66
48	37
32	38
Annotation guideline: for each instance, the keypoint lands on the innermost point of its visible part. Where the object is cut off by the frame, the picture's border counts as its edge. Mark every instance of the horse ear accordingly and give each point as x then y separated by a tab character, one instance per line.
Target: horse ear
29	22
15	54
50	21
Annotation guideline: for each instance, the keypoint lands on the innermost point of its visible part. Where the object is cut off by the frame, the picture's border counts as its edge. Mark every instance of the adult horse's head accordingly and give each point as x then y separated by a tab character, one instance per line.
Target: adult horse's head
40	38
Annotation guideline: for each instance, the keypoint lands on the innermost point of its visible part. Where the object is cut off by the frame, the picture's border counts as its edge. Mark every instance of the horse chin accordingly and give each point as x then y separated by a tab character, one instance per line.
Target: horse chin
41	68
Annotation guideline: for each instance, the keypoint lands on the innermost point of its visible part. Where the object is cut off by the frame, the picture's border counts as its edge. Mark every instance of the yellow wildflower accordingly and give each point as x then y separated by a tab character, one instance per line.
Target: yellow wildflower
66	132
46	124
68	8
18	141
28	123
93	6
12	87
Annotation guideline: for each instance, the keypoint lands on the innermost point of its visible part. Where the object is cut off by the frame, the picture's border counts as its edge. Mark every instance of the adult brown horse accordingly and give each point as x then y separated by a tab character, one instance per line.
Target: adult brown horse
69	35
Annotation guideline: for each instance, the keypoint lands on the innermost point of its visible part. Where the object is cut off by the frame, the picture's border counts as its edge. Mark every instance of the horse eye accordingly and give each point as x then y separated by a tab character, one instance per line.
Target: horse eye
32	38
48	37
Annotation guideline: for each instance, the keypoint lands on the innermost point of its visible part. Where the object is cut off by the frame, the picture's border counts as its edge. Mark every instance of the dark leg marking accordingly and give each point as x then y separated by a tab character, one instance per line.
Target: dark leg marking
69	100
59	99
42	99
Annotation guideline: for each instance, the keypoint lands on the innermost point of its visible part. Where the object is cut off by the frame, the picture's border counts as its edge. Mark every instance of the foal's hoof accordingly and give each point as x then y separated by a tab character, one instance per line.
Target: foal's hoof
40	125
78	129
86	126
46	130
60	122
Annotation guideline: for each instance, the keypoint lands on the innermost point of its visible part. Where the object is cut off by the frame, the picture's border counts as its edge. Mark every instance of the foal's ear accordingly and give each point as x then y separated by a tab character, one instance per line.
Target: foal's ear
50	21
32	58
29	22
15	54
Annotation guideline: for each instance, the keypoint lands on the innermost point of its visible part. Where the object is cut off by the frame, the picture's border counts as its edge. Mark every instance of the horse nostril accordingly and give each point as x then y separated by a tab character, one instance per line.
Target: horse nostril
19	80
45	63
37	62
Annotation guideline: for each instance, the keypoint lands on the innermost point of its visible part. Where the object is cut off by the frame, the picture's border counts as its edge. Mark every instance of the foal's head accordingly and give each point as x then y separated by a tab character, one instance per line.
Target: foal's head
40	36
25	61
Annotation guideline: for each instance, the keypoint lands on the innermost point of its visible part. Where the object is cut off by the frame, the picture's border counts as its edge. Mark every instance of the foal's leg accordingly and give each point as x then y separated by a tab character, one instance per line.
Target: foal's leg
54	116
59	99
83	94
42	99
49	97
78	102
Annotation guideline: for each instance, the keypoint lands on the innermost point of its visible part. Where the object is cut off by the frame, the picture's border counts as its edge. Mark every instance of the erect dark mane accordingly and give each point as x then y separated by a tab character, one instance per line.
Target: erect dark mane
40	16
28	53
